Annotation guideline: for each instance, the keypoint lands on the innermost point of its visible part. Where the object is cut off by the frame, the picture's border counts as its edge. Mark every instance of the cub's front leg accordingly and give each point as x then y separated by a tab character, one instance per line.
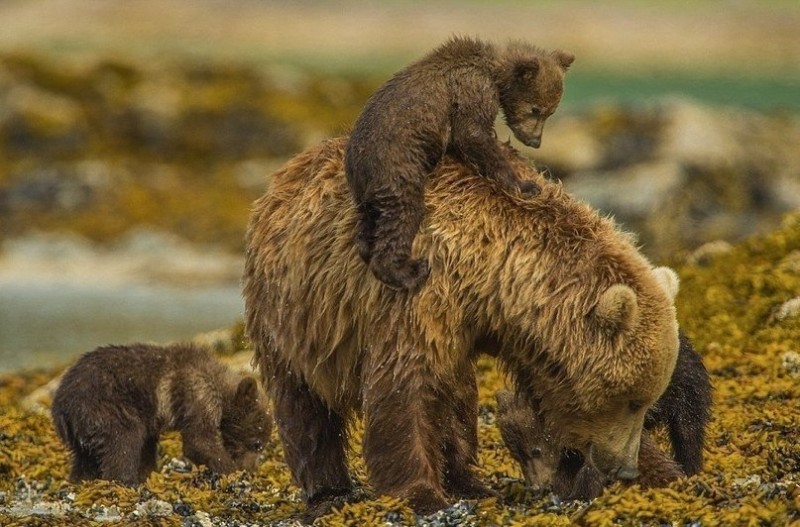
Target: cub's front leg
474	142
202	443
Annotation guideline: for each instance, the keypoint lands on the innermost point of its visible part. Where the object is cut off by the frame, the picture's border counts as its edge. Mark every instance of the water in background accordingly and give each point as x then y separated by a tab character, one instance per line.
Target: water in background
43	325
60	297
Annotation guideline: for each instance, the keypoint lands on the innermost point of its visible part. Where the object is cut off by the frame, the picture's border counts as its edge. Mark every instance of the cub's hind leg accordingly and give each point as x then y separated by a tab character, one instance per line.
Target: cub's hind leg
397	218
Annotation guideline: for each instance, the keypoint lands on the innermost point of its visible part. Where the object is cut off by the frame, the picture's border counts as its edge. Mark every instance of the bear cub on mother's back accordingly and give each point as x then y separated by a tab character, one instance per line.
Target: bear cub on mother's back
113	404
444	104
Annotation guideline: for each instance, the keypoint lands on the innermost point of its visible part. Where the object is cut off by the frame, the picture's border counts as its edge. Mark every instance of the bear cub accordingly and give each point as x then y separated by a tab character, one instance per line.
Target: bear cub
684	409
446	103
115	401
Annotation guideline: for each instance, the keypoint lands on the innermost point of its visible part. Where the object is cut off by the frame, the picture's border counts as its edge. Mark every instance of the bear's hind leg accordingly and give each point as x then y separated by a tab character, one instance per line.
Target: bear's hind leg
399	217
122	454
147	463
461	449
403	447
314	439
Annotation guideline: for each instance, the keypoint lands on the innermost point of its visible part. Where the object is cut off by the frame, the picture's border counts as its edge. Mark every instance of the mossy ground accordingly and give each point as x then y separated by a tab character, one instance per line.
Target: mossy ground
730	307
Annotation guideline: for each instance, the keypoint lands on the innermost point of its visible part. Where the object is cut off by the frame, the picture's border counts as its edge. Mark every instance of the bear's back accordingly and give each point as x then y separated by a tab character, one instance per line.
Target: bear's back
311	303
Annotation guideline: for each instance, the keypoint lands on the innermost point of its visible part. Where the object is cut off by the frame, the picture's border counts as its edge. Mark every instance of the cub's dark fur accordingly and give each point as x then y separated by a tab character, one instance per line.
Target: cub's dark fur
113	404
445	103
684	408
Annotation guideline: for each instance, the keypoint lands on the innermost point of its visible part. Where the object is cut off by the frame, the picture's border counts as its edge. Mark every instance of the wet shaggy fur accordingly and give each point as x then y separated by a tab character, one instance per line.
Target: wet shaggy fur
113	404
684	410
577	314
445	103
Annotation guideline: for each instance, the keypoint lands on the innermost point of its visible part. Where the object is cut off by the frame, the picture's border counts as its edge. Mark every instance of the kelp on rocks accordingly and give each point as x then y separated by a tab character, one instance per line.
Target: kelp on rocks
740	308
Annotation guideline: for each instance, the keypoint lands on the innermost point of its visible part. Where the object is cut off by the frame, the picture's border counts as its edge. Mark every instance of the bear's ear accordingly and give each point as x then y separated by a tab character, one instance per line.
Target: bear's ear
505	400
526	69
247	391
564	58
668	280
617	309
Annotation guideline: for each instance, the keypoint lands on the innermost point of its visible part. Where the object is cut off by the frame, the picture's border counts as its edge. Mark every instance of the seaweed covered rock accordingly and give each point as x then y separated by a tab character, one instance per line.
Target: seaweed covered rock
726	306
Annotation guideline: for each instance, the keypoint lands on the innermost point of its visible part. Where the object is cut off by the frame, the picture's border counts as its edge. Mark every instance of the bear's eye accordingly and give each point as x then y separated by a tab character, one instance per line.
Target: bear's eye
536	452
536	111
257	445
635	406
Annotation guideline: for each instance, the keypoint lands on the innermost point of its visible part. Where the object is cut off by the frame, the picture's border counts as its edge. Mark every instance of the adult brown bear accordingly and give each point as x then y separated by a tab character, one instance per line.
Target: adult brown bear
573	308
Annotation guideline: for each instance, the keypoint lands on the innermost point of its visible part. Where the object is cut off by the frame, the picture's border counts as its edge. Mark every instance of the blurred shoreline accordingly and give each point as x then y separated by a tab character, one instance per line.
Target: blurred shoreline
735	36
63	296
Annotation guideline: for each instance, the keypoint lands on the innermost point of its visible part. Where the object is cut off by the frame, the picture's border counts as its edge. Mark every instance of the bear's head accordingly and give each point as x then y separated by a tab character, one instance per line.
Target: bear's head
526	437
530	89
616	363
246	424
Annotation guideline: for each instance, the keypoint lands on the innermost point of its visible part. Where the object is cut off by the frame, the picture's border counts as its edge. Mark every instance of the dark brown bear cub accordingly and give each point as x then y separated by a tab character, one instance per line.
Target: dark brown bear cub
684	409
445	103
113	404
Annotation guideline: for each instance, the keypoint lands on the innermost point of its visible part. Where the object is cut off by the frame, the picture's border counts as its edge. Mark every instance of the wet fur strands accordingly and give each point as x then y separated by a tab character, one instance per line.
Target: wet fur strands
445	103
113	404
579	317
684	410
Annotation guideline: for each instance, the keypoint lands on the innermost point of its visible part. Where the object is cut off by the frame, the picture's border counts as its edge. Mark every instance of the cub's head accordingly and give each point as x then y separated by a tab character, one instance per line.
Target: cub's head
530	89
245	424
526	437
621	362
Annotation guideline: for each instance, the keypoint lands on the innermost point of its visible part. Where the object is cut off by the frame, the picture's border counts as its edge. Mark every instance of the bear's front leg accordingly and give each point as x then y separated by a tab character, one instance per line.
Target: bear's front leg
202	443
314	439
121	451
403	438
475	143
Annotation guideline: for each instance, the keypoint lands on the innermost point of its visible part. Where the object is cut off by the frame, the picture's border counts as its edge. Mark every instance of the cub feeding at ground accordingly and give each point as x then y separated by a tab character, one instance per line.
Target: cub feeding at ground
684	409
113	404
445	103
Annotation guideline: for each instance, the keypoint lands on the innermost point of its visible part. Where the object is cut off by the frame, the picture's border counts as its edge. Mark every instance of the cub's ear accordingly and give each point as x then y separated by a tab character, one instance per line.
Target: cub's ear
617	309
526	69
668	280
247	391
564	58
505	400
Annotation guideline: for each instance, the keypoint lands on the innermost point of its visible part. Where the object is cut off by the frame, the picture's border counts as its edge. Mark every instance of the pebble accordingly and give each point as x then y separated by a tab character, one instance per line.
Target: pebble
153	507
790	361
790	308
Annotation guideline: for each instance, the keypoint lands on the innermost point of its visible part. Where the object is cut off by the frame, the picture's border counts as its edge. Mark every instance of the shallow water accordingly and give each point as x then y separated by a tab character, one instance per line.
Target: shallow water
45	323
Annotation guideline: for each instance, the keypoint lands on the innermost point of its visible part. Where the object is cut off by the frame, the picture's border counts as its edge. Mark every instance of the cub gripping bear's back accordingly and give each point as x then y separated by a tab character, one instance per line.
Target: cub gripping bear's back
496	259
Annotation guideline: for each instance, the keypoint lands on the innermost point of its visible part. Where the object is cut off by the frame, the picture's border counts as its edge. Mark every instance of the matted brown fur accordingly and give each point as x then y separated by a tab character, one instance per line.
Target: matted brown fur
532	276
446	102
115	401
684	410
